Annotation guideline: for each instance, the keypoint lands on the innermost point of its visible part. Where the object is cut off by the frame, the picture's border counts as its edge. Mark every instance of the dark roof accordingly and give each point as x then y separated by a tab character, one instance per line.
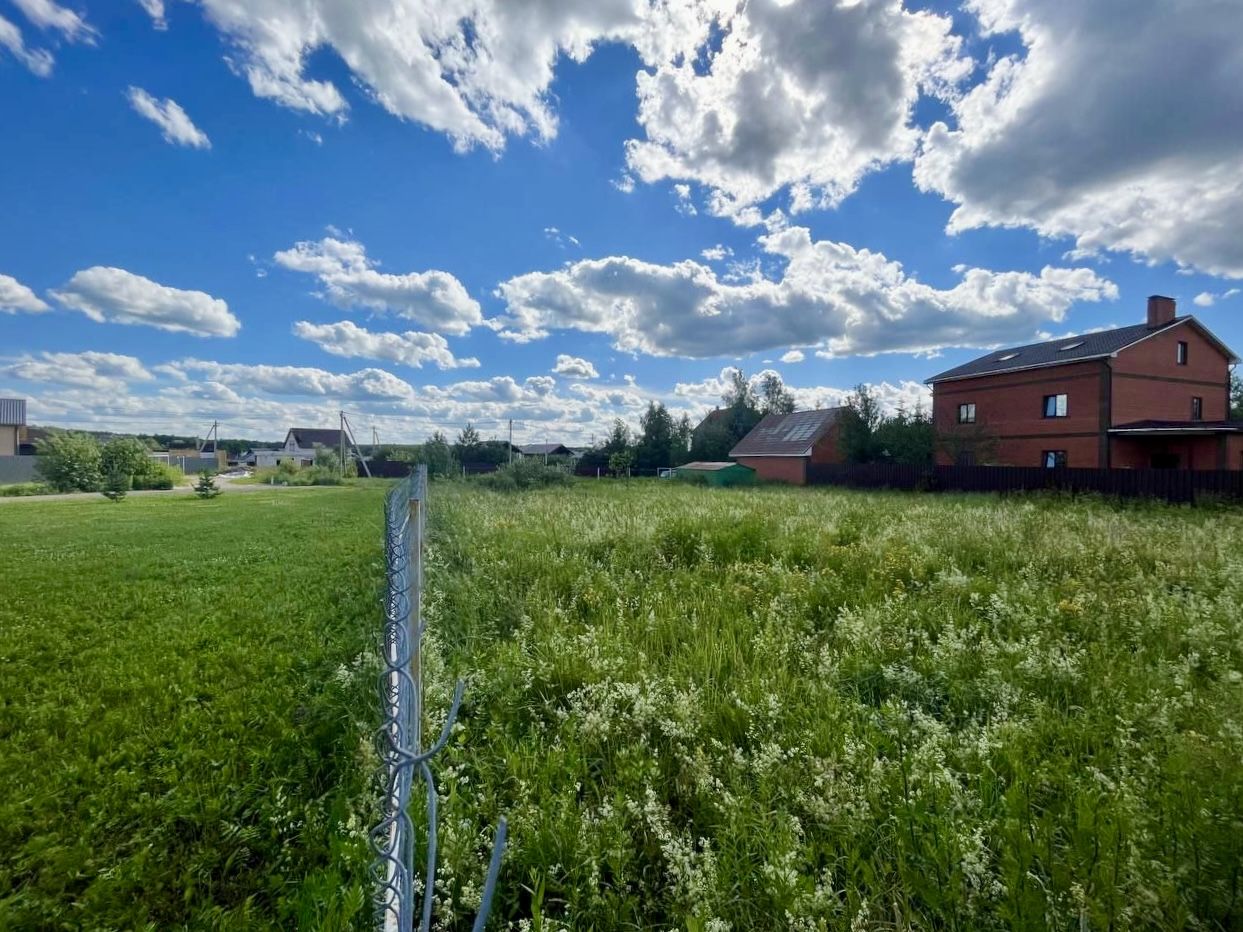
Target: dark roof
787	434
716	414
542	449
710	467
1152	426
308	437
1066	350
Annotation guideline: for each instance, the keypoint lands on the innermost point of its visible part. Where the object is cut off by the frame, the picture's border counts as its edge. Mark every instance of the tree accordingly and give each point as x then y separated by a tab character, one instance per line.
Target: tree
467	446
438	455
743	412
206	486
1236	398
857	440
775	398
127	456
116	484
713	442
620	463
907	438
682	433
70	462
618	438
655	447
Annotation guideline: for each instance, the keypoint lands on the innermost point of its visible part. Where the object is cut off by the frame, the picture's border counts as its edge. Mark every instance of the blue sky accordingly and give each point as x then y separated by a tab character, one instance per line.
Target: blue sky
434	214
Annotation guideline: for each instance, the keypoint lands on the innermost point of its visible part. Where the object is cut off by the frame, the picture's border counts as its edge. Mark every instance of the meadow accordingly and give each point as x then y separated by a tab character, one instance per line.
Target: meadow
814	709
700	709
187	692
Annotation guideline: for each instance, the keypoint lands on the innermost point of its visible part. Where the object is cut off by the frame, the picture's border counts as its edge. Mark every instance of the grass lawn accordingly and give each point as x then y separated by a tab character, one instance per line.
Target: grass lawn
810	709
186	698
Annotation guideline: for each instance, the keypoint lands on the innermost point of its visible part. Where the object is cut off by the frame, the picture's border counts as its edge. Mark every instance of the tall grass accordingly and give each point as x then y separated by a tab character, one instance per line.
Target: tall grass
769	708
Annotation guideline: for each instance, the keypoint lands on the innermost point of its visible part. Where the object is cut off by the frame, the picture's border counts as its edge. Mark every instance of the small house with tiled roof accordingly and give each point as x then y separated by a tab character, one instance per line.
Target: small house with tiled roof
781	446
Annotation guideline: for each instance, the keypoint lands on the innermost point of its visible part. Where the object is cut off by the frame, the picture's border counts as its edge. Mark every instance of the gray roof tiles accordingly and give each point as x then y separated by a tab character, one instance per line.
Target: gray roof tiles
787	434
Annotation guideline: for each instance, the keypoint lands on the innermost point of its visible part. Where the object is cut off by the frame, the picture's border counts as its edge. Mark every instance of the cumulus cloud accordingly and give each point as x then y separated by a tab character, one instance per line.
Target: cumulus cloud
53	17
560	238
16	297
831	296
477	70
1118	125
411	348
792	356
103	371
574	367
717	253
121	297
363	385
1209	298
38	61
434	299
175	125
809	95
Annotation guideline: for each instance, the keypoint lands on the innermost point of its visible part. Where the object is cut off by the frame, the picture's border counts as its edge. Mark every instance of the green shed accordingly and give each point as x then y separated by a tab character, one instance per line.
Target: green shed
716	473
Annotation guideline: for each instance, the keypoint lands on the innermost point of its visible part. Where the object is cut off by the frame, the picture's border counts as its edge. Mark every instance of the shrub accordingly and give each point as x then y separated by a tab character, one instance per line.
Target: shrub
524	474
116	485
206	486
159	477
70	462
127	456
22	489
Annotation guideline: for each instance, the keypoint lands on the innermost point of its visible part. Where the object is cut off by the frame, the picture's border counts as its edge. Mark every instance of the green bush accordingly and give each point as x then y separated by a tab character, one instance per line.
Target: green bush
116	485
70	462
524	474
22	489
159	477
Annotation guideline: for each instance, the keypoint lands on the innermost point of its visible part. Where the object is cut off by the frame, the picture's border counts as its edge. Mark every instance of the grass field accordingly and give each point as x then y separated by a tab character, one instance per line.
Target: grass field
186	694
807	709
700	709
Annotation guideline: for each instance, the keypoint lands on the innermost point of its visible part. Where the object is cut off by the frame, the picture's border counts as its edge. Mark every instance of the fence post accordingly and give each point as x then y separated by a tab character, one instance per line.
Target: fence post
414	605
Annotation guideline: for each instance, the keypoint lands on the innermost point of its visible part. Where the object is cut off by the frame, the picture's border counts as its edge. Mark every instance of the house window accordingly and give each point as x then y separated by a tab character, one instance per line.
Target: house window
1197	409
1182	352
1054	459
1054	405
966	414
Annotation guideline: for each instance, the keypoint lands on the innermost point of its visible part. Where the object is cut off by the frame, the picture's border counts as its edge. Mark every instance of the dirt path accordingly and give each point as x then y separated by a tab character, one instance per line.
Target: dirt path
225	484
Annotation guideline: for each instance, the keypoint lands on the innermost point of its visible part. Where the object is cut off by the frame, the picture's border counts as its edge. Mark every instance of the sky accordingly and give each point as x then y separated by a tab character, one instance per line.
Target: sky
427	213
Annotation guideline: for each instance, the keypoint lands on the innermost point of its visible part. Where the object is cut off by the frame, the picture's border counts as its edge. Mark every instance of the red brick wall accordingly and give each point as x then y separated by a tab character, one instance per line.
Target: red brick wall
1148	383
1192	452
827	450
792	469
1010	407
1234	453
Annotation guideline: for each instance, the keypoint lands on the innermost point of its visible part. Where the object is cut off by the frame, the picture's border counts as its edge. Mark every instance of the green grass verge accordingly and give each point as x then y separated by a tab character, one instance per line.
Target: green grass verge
186	696
806	709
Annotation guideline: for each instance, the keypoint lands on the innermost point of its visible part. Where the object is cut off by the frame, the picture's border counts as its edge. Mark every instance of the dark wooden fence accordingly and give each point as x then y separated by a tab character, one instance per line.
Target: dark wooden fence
1174	485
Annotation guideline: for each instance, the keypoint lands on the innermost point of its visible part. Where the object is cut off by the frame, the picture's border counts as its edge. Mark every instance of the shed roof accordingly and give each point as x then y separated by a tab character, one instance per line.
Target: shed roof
13	412
541	449
710	467
308	437
1068	349
787	434
1178	427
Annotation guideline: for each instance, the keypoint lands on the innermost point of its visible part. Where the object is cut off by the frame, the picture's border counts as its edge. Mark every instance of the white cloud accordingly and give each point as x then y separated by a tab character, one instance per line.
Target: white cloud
363	385
1208	298
100	371
685	204
15	297
560	238
477	70
176	127
792	356
51	16
1118	126
121	297
38	61
155	9
717	253
700	397
410	348
574	367
807	95
831	296
434	299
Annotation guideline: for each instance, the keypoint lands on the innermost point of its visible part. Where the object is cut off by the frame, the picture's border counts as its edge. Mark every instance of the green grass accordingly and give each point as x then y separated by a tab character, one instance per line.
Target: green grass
807	709
186	697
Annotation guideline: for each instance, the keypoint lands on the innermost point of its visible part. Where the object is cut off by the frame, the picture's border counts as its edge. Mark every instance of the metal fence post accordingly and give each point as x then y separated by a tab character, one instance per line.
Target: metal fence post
414	606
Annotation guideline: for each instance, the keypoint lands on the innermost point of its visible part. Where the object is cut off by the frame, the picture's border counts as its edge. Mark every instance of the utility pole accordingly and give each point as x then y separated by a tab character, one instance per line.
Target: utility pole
511	441
341	441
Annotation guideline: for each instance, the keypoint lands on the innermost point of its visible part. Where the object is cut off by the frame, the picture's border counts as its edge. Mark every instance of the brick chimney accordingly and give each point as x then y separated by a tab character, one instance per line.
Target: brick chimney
1160	311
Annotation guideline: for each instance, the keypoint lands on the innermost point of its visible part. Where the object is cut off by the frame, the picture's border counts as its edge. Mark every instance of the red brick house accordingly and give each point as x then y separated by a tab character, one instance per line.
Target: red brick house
1154	395
780	446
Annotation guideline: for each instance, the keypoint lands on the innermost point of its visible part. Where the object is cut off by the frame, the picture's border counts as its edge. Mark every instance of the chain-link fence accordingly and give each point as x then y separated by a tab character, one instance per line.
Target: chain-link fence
404	903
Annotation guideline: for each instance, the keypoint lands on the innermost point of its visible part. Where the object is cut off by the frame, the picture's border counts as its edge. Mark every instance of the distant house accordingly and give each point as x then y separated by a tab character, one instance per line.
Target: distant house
719	474
12	423
300	446
544	450
718	417
781	446
1151	395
